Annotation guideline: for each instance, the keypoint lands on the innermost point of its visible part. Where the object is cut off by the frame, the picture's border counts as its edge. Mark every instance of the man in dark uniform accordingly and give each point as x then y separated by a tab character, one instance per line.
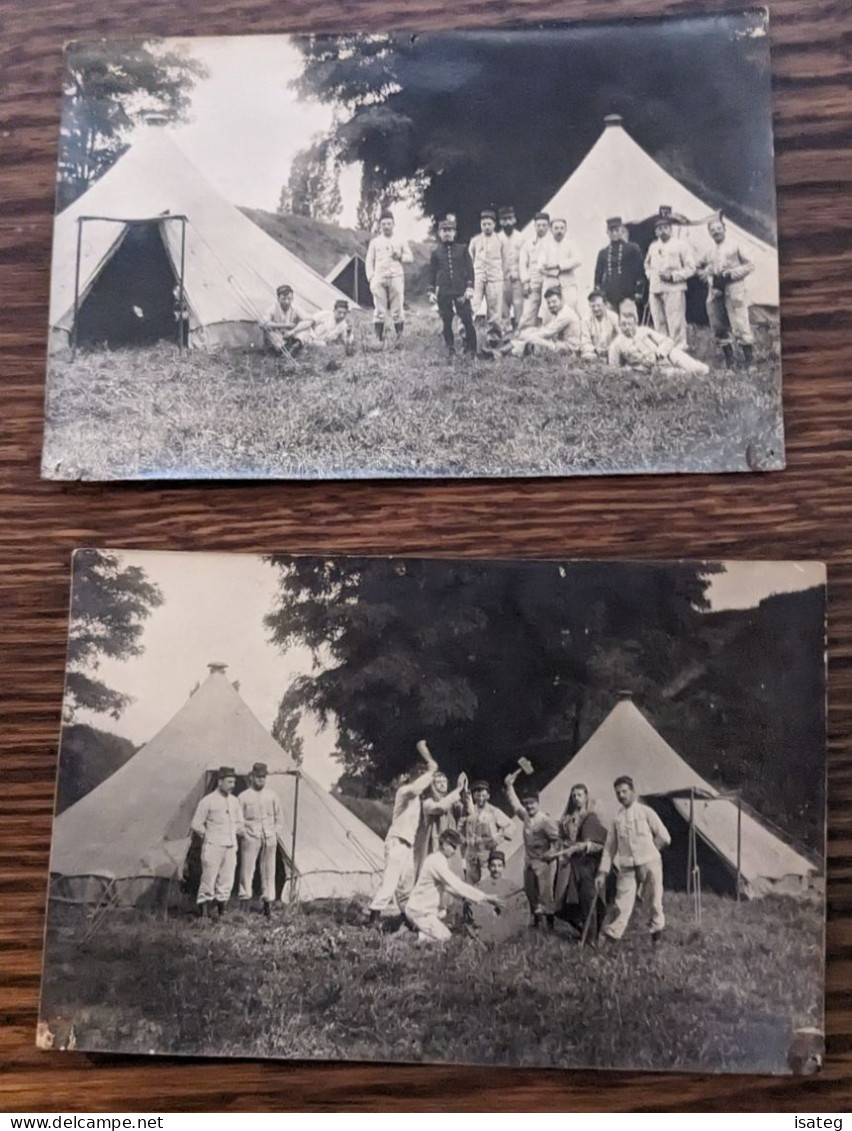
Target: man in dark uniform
451	285
620	270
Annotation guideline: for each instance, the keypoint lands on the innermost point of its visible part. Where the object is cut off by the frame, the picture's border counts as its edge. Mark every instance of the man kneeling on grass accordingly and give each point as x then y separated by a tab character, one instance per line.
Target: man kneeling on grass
560	333
437	879
281	321
328	328
640	347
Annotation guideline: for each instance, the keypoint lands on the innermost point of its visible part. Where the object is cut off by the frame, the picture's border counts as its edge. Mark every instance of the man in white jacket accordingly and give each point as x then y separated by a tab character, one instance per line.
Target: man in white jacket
384	266
640	347
263	821
437	880
529	265
725	267
559	263
668	265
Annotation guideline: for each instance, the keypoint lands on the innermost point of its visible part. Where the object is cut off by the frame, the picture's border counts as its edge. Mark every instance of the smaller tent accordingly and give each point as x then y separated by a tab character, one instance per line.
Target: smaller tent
131	834
349	275
729	836
618	178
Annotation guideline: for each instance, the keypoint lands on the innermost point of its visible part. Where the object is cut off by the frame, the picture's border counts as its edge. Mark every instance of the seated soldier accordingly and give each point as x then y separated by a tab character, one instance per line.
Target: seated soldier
327	327
642	348
560	332
600	328
280	322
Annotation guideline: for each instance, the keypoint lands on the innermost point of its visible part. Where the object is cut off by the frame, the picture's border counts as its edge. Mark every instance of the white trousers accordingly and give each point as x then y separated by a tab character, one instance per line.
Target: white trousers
492	292
429	926
388	298
218	869
397	878
626	883
252	848
668	310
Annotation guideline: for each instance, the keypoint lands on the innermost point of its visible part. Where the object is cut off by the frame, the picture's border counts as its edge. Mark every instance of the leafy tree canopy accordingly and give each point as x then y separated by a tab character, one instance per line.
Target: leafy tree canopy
110	601
108	88
471	119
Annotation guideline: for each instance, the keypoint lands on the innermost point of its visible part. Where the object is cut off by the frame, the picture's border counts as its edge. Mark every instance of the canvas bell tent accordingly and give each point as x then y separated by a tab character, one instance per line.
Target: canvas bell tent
130	836
618	178
152	229
731	840
349	275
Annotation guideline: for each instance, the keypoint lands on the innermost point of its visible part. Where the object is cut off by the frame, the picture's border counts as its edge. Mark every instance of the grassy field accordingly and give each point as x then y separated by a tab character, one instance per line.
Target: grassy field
153	413
315	984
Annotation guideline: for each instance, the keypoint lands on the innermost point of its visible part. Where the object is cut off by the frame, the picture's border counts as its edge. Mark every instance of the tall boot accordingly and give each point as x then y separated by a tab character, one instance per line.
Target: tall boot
399	327
220	907
730	361
551	922
267	910
748	354
374	919
379	327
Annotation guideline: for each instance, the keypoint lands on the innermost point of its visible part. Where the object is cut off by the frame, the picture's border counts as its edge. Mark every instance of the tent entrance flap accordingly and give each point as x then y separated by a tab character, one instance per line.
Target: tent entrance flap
136	296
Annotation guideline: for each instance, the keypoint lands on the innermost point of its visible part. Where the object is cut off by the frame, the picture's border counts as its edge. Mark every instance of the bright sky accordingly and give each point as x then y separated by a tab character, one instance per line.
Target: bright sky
247	124
213	611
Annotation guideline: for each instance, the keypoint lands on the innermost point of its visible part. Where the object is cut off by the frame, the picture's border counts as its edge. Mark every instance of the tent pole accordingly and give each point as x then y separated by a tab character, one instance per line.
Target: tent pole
739	843
689	845
180	319
77	285
293	846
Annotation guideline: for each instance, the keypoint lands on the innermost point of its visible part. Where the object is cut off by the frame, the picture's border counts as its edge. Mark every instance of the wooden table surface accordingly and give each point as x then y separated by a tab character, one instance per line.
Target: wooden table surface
804	512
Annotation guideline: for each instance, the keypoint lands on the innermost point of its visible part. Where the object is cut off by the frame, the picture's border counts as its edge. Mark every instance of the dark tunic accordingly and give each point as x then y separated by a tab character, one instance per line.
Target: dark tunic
620	272
575	879
450	270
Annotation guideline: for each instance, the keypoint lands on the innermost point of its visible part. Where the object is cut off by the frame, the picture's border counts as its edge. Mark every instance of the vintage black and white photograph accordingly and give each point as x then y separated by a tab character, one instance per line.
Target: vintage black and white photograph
529	813
545	251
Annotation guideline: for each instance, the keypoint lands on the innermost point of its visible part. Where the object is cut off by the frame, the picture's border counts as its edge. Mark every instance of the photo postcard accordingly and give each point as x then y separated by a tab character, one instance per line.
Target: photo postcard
530	813
539	252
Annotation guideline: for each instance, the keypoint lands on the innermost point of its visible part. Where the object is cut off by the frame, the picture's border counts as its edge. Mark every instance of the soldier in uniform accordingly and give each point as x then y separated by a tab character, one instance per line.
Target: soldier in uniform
263	822
619	270
529	264
488	253
485	828
725	268
280	322
560	333
450	285
513	291
559	263
541	837
384	266
640	347
599	330
218	821
668	265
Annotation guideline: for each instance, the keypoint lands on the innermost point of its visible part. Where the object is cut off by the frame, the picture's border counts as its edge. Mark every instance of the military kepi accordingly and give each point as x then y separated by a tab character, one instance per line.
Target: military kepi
226	772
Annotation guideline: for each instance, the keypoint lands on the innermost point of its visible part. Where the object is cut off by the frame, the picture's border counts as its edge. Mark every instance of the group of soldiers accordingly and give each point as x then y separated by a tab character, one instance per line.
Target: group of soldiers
528	291
444	844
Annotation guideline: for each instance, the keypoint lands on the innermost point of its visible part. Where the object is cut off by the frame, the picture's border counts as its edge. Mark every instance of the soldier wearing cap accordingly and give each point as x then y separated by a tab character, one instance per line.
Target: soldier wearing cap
281	320
485	827
561	331
218	821
724	267
263	822
668	265
450	285
530	268
640	347
619	270
488	253
434	884
328	328
384	265
513	291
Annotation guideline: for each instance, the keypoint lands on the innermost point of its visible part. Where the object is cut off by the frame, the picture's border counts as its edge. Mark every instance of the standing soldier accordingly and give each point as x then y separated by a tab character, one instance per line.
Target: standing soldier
488	253
442	810
385	257
559	263
398	876
632	847
724	268
619	271
541	837
513	291
530	269
263	821
668	265
218	821
485	828
451	285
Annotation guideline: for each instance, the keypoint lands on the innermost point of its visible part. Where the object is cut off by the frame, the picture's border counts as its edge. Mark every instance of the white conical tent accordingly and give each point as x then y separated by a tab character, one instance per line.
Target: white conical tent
618	178
626	743
134	827
231	266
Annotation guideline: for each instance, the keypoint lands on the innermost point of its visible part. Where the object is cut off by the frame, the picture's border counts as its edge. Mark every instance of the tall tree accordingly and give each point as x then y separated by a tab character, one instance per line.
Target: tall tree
479	118
110	601
313	187
483	658
108	87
